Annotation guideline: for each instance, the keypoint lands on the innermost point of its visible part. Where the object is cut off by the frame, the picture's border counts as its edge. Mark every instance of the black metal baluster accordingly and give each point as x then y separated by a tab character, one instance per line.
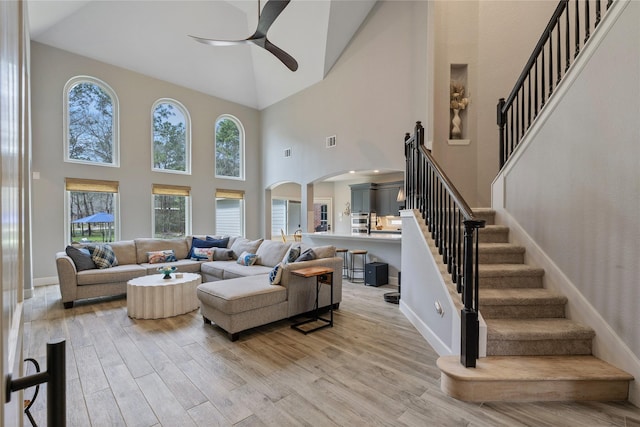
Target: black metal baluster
598	14
542	78
568	38
529	100
577	30
559	57
535	102
550	63
587	19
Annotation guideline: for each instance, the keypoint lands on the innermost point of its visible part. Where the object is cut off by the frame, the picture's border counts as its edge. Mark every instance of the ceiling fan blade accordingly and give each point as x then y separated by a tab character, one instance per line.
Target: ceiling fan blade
270	12
283	56
213	42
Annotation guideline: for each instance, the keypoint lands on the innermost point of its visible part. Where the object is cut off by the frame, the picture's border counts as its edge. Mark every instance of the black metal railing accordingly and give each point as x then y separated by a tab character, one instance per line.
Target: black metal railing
568	31
453	227
55	377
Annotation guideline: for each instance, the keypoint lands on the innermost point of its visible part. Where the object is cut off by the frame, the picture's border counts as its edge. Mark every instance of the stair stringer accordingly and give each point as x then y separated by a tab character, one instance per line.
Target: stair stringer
425	283
606	345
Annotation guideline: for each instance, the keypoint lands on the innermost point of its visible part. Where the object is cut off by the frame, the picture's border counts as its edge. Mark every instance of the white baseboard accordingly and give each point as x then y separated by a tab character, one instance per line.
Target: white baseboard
44	281
434	341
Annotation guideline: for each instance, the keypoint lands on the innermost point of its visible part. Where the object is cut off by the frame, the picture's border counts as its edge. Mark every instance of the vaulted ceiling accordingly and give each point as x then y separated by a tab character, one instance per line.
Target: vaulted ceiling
152	38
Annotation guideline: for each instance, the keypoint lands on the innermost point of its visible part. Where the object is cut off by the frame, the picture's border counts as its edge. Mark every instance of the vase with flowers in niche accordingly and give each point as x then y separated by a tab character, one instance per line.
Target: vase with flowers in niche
458	102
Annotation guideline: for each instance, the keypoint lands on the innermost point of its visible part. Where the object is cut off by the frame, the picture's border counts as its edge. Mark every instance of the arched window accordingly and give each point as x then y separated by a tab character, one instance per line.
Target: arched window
229	148
171	137
90	122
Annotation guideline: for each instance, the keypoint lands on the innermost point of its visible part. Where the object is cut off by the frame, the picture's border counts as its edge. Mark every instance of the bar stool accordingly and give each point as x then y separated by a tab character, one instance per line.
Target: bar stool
355	269
342	252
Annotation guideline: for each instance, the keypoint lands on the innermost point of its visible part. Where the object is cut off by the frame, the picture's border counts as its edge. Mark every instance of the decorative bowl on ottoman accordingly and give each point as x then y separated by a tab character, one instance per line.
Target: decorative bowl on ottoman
167	271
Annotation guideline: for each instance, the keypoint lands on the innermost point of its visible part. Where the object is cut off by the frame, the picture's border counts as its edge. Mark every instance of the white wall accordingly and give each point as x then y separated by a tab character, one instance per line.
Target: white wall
494	39
574	188
51	69
371	97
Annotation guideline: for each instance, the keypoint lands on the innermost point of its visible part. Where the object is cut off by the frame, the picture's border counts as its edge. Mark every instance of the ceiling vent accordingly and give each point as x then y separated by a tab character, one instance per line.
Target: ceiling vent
287	152
331	141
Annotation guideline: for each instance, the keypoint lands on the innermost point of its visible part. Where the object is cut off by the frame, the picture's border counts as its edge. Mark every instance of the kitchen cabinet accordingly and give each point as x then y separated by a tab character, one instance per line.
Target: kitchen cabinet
387	198
363	197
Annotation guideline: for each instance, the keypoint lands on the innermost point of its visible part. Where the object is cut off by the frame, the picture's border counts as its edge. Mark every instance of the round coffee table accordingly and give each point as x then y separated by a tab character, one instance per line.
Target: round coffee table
152	297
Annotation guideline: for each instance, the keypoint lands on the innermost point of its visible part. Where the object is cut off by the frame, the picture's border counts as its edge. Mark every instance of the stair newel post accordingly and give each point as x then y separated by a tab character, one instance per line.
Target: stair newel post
409	184
502	119
470	327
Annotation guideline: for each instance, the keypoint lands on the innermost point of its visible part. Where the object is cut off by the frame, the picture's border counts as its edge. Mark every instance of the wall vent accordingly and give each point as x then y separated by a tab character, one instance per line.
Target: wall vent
331	141
287	152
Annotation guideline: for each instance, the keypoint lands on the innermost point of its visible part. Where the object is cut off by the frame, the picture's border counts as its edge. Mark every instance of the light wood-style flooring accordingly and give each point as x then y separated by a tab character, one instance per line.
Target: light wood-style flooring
371	369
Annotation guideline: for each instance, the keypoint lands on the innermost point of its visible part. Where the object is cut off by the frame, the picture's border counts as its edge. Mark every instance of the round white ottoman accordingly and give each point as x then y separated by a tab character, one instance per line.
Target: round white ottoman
152	297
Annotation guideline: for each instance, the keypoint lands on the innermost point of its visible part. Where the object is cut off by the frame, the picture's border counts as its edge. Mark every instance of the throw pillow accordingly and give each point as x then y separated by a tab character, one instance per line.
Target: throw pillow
219	243
307	255
271	252
220	254
103	256
200	243
292	255
158	257
325	251
245	245
247	258
202	254
276	274
81	257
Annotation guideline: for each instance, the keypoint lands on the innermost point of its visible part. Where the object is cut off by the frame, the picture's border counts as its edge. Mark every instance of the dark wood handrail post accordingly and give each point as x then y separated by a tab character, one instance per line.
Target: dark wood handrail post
502	120
470	328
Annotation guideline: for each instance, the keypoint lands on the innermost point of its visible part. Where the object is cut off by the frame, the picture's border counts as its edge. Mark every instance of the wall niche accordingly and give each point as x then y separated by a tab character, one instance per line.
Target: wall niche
459	100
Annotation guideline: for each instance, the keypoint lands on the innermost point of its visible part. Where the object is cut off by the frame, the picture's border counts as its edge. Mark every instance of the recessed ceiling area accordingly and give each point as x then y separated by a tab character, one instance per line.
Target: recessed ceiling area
152	38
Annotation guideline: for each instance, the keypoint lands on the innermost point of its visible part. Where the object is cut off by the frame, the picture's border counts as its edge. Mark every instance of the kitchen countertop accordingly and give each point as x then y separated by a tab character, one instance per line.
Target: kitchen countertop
382	237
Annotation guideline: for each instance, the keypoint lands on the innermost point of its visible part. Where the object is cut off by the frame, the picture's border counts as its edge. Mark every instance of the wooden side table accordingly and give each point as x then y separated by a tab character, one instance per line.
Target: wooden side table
324	276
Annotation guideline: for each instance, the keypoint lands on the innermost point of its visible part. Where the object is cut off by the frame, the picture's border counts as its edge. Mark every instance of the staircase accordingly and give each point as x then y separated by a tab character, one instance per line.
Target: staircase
534	353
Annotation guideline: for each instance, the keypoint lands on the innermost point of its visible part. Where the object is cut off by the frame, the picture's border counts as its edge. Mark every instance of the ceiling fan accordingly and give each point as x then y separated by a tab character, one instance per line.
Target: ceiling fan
271	11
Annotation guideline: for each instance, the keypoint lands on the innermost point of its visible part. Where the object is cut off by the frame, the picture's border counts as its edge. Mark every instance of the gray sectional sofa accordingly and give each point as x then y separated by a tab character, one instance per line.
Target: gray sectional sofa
235	297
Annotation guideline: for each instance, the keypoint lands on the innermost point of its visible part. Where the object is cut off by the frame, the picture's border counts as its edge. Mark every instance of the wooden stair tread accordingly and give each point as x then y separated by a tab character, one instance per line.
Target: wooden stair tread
520	296
536	329
533	368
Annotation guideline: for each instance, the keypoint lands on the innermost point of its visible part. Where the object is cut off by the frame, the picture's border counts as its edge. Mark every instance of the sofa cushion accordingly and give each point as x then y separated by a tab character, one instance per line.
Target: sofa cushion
125	251
245	245
271	252
81	257
117	274
215	268
242	294
325	251
220	254
233	270
103	256
180	247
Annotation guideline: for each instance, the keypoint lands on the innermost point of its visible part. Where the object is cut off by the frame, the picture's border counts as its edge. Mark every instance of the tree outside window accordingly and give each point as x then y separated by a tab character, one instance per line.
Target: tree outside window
91	122
170	137
229	148
91	210
171	216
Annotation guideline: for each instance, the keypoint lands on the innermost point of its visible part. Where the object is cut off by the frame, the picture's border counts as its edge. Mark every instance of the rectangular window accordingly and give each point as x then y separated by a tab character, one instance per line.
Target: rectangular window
230	212
91	206
278	216
171	211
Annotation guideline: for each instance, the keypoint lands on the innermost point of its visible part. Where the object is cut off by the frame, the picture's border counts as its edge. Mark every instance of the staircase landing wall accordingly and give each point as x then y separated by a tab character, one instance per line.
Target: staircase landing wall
422	287
571	193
